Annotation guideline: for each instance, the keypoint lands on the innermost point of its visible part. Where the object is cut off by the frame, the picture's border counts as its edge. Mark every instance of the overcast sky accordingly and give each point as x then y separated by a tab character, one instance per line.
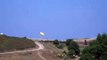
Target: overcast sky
59	19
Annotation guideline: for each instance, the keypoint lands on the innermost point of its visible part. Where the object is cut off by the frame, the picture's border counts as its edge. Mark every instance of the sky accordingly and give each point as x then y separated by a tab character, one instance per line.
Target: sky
58	19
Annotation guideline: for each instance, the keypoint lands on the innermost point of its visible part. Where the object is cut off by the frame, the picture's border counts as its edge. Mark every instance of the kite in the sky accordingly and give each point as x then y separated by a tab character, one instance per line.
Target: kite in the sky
42	33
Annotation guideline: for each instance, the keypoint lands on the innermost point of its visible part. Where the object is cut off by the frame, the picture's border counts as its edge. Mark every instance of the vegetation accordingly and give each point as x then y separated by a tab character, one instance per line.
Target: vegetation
8	43
73	48
68	42
56	42
97	49
60	46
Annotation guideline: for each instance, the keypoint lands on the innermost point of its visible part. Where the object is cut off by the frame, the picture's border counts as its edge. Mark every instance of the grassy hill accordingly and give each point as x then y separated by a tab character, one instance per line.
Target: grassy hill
8	43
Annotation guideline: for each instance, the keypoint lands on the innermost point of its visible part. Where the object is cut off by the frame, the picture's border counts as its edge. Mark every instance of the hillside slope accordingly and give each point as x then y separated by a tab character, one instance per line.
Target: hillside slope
8	43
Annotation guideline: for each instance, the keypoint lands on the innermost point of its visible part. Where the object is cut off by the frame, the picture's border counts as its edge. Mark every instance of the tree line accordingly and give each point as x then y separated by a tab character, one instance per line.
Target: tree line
97	50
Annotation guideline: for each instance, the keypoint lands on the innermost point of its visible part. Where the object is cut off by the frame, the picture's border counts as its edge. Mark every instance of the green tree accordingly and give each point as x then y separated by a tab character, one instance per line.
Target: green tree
68	42
99	38
71	52
56	42
73	48
86	57
97	49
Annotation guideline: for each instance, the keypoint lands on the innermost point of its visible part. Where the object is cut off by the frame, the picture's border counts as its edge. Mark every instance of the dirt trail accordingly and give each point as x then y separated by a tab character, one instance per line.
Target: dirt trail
39	54
40	47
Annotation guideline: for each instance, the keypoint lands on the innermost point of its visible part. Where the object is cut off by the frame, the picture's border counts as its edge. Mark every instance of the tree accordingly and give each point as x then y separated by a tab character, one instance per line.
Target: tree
71	53
99	38
86	57
73	48
25	37
97	49
56	42
68	42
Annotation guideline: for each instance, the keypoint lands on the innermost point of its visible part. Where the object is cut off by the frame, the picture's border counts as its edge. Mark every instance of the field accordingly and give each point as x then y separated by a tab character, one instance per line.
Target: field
9	43
49	53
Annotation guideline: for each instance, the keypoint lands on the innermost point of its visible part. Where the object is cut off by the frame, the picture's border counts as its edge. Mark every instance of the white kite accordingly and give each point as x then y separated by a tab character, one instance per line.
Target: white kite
42	33
1	33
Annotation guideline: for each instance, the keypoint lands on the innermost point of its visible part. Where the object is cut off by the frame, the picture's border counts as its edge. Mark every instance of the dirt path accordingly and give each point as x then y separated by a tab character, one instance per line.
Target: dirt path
39	54
40	47
28	50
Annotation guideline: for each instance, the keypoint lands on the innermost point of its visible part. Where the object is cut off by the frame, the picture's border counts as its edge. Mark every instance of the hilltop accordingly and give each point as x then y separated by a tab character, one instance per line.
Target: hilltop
10	43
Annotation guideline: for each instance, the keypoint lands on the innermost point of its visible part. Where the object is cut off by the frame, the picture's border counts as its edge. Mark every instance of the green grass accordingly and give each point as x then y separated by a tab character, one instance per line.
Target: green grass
8	43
